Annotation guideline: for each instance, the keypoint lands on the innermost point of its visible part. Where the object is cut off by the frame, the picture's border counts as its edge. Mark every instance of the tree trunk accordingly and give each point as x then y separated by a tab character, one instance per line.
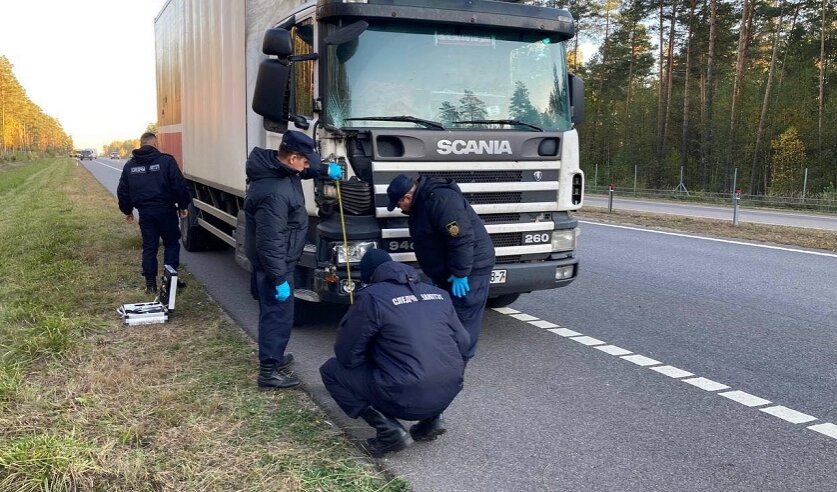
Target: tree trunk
658	179
754	170
821	99
660	93
706	136
684	141
743	38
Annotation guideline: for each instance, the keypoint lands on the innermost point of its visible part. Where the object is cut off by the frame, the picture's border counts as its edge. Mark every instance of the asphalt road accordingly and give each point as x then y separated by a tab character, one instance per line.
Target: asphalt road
756	216
551	404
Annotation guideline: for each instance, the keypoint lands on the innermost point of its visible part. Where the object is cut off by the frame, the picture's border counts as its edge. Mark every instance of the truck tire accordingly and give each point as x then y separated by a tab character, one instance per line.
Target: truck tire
194	237
502	300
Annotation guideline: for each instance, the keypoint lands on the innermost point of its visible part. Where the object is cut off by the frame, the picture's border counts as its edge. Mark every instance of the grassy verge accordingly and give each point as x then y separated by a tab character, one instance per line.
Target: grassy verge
88	404
794	236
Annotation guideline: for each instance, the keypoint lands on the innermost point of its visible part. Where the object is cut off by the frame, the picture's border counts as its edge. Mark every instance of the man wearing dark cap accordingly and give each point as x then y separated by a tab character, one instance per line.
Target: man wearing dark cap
452	246
277	223
399	355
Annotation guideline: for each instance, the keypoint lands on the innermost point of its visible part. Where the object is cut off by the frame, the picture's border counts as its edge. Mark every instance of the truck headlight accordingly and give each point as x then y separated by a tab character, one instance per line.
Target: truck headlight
353	252
564	239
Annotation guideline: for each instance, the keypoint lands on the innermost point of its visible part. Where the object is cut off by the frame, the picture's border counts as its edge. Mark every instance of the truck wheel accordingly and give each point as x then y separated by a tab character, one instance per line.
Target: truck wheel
194	237
502	300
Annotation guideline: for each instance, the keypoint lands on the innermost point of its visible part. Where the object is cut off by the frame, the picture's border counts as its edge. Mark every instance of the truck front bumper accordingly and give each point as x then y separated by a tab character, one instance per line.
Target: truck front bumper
519	278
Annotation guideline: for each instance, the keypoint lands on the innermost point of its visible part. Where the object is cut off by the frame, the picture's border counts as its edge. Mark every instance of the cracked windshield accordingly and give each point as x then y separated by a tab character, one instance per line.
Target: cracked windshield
448	75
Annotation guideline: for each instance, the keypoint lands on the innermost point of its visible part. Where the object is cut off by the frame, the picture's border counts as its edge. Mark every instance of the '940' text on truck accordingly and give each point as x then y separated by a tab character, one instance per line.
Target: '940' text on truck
477	91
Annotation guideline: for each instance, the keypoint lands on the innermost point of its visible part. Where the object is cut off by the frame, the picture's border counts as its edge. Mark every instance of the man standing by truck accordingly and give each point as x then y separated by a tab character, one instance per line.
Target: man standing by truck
277	224
152	183
452	246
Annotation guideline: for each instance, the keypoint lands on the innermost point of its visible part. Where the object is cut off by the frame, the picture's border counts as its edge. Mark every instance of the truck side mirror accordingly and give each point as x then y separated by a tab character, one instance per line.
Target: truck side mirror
576	98
277	42
270	96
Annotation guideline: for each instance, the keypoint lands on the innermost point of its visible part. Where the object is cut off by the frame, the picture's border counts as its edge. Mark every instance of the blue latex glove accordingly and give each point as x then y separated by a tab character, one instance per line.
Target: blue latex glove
335	172
283	291
460	286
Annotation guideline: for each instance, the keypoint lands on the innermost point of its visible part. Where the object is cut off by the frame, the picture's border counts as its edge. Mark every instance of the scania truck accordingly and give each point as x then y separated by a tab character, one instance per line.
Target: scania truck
477	91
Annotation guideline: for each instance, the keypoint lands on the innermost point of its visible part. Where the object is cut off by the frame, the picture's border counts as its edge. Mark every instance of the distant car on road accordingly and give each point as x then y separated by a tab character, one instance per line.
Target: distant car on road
114	155
87	154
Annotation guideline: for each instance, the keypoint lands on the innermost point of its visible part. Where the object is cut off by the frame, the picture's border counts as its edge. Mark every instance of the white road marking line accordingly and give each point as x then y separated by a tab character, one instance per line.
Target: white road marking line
506	310
565	332
543	324
613	350
745	398
106	165
706	384
672	371
585	340
788	414
826	429
741	243
641	360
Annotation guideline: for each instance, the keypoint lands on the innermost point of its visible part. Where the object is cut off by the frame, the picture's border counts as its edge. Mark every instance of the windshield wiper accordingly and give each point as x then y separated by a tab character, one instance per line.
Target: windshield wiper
501	122
409	119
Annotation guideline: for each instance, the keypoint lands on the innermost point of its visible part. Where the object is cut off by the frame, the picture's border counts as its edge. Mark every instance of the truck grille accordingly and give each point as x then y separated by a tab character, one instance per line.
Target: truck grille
507	259
477	177
494	198
500	218
506	239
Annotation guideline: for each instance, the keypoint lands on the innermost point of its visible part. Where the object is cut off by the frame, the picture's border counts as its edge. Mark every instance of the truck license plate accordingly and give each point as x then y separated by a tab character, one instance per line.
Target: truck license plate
498	277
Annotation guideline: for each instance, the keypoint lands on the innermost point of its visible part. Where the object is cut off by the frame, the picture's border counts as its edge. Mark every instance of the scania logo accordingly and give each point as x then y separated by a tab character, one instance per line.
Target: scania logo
494	147
538	175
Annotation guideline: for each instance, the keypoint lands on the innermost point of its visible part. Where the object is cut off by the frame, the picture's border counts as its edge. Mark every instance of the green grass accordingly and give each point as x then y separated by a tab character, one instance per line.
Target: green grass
89	404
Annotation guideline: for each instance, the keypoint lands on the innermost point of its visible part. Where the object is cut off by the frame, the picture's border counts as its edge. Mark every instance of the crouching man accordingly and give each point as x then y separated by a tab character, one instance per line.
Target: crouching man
400	355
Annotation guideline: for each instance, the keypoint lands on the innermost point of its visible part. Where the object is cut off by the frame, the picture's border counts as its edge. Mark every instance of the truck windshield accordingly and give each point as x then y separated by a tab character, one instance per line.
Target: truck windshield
448	74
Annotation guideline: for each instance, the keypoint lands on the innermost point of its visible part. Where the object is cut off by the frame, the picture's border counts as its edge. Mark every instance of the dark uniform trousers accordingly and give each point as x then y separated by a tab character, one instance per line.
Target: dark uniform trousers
352	389
355	389
276	319
470	308
156	223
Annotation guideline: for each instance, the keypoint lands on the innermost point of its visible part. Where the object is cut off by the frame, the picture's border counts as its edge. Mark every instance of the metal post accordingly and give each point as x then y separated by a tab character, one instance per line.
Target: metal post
805	185
596	178
610	199
635	170
736	197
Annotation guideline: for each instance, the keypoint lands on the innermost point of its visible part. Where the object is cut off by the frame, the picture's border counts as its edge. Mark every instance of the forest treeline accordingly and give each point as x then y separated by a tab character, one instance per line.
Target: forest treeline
708	86
25	130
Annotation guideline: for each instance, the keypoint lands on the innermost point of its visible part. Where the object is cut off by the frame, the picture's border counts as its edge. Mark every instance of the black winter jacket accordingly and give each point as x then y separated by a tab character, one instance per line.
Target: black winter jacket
151	179
408	332
448	236
277	221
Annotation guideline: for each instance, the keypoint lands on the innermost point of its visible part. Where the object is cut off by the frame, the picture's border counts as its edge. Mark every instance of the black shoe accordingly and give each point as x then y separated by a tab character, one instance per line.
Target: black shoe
271	377
181	284
428	429
390	437
150	285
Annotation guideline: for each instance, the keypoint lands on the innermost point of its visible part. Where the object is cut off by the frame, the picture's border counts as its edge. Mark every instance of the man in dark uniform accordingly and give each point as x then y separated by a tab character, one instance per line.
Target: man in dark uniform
400	355
277	223
452	246
152	183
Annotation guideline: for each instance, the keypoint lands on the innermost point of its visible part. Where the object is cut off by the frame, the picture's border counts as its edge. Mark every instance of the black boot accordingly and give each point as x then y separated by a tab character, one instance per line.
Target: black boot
150	285
428	429
271	377
391	436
